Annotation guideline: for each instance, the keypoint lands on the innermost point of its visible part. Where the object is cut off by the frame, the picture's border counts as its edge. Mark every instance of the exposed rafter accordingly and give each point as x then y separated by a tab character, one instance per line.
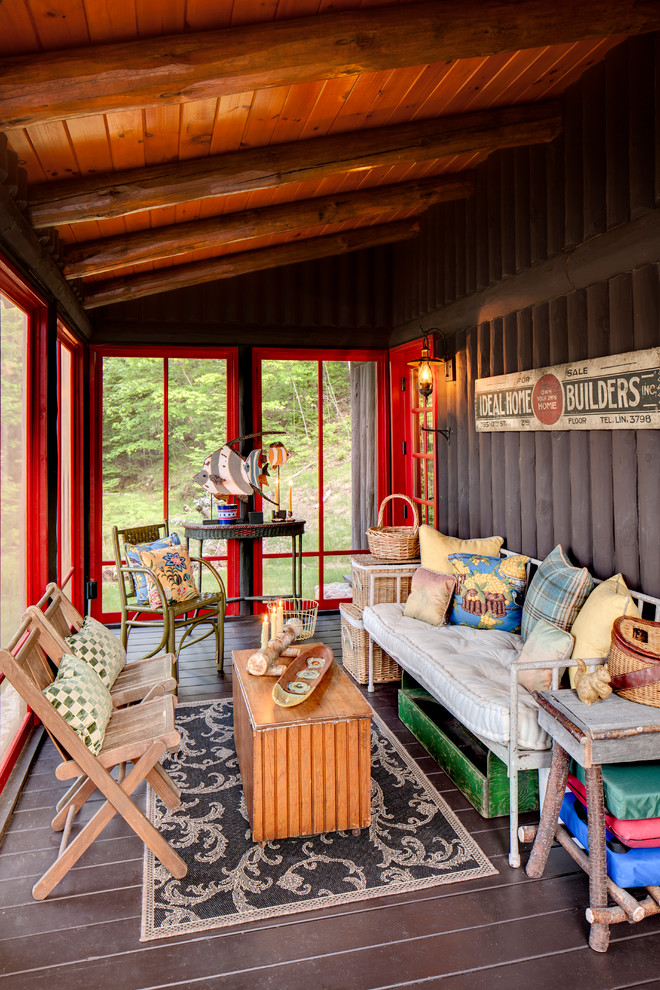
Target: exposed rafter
106	254
135	286
111	195
197	66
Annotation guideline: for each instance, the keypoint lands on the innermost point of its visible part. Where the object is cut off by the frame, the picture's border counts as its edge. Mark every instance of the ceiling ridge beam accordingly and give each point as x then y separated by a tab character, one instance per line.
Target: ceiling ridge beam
109	195
207	64
109	253
231	265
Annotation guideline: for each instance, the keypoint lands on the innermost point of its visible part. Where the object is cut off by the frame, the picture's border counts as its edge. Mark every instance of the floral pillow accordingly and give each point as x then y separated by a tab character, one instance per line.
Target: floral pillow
133	559
489	591
172	567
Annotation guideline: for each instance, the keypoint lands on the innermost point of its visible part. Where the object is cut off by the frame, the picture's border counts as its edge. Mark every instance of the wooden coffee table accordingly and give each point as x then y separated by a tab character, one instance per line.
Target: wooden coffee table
305	769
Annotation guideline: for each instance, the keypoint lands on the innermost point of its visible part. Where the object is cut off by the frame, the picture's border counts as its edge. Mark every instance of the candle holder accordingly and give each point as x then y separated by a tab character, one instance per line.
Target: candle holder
278	515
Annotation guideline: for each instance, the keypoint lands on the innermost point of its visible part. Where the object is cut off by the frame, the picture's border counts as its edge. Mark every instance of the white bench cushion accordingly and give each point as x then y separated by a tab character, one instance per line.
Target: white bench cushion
464	668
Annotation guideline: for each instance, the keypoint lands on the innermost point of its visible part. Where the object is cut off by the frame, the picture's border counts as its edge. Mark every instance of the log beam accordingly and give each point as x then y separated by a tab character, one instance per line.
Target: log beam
100	197
165	279
202	65
109	253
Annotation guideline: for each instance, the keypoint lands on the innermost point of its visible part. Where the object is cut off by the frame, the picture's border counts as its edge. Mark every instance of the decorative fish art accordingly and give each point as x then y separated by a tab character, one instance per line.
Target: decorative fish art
226	472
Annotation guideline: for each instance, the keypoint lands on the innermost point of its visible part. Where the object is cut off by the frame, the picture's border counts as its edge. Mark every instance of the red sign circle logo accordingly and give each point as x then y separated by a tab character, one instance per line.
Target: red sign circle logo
548	400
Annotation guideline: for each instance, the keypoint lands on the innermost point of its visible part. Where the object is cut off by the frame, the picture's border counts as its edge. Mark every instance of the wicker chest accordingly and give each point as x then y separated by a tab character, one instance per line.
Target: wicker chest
376	581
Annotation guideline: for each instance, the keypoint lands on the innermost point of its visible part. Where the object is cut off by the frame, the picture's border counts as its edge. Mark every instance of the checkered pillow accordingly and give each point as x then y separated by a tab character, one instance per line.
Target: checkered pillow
557	593
81	698
100	648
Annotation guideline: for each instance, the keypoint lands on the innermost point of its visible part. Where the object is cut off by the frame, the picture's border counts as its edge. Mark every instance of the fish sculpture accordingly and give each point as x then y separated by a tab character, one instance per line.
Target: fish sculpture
226	472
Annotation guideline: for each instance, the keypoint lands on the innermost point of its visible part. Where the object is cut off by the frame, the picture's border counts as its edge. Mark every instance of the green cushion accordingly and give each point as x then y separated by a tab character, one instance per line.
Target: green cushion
557	592
81	698
100	648
631	790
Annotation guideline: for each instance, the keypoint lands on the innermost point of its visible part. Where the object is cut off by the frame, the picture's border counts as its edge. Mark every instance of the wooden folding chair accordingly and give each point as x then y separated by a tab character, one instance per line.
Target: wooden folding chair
140	735
140	680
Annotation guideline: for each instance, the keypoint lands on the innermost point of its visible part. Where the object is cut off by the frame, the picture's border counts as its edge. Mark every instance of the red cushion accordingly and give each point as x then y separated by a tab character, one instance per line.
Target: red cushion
632	832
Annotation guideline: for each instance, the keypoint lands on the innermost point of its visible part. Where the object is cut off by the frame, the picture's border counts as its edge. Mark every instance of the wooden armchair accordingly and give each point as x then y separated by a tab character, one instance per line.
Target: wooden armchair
140	735
140	680
207	608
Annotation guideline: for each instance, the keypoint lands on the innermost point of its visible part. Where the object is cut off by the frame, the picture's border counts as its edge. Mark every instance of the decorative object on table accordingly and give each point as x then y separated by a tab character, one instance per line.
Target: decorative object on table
415	840
634	660
278	515
227	513
394	542
305	610
226	472
264	660
255	518
302	676
592	685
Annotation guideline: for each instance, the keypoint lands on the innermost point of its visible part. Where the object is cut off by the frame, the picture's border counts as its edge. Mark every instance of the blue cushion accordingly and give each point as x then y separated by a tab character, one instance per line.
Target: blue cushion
133	558
489	591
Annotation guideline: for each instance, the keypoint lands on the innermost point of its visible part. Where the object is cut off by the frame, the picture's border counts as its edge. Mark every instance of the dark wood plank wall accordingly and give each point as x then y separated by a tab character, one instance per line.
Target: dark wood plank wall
596	493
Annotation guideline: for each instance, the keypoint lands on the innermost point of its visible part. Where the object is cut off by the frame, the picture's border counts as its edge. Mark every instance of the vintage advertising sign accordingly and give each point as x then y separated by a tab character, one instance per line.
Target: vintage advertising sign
617	392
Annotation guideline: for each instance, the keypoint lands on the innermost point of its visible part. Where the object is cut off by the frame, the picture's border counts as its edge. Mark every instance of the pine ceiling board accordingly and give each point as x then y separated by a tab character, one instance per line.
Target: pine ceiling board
571	69
231	116
352	114
111	20
126	132
60	25
161	134
253	11
186	212
196	128
426	83
532	69
394	92
17	32
266	108
454	83
19	142
330	102
158	18
89	138
53	148
299	104
207	15
481	88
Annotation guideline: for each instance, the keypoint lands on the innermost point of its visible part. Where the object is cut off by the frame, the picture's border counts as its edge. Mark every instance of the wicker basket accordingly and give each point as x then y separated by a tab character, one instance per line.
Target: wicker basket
376	581
304	609
355	650
634	660
394	542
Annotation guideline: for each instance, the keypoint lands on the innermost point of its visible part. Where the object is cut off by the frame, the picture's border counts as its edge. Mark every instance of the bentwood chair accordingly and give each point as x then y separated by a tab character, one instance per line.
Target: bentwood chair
140	735
207	608
140	680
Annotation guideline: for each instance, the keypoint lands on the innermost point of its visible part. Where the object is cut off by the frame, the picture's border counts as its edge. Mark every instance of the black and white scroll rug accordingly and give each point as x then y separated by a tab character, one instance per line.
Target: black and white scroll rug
414	840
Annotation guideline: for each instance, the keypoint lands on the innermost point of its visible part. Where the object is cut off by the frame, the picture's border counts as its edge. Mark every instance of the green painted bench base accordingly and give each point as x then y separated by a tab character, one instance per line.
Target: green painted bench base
479	774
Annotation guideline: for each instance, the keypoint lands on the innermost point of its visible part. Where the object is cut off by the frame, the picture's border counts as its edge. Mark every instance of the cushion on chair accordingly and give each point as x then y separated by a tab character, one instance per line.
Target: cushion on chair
630	790
488	591
133	558
556	593
635	832
82	699
592	628
430	595
100	648
435	548
545	642
172	567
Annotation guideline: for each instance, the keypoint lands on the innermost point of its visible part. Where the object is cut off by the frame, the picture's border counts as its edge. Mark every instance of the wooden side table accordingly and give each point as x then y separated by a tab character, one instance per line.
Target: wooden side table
610	731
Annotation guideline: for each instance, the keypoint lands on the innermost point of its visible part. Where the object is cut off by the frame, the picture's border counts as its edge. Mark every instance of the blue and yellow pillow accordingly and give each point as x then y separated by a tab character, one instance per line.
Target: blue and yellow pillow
172	567
133	558
489	591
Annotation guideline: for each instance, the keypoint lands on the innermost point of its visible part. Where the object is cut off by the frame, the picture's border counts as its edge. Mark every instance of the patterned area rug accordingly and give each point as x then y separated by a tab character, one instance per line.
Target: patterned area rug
414	840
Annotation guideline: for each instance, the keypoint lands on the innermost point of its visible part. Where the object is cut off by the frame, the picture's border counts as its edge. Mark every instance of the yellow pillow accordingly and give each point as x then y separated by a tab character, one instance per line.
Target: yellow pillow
592	628
435	548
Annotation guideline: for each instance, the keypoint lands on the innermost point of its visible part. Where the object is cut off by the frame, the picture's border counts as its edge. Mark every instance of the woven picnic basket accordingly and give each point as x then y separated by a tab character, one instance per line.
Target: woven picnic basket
394	543
634	660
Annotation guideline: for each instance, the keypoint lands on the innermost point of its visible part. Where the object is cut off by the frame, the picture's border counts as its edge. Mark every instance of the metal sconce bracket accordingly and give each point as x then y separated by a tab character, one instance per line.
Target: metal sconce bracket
432	429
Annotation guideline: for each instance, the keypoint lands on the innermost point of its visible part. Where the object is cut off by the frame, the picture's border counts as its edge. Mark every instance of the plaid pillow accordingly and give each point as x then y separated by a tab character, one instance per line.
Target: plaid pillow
82	699
171	565
100	648
133	560
557	593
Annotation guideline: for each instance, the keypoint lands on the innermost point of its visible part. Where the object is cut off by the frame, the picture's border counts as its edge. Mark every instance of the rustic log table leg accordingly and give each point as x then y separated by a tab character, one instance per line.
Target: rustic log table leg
599	937
554	795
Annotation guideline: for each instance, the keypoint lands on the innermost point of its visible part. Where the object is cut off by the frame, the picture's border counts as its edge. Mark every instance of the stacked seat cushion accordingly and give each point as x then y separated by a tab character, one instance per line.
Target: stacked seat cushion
465	668
630	790
635	832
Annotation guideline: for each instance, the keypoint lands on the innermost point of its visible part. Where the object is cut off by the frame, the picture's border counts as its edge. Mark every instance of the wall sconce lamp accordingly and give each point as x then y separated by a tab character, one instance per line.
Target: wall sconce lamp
424	365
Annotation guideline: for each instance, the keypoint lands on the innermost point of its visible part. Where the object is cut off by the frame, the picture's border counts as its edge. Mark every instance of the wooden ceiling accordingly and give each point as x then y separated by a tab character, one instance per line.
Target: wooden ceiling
171	142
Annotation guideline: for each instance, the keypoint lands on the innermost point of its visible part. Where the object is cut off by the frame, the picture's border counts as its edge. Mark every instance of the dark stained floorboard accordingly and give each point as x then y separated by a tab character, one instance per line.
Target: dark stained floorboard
500	931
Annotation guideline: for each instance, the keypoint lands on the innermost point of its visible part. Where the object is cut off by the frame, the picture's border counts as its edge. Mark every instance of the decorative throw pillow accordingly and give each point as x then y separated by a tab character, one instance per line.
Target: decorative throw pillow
81	698
435	548
100	648
592	628
430	595
545	642
171	565
489	591
556	593
133	559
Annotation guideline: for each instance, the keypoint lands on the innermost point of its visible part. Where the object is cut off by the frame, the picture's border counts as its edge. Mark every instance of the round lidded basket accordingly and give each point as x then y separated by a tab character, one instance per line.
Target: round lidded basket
394	543
304	609
634	660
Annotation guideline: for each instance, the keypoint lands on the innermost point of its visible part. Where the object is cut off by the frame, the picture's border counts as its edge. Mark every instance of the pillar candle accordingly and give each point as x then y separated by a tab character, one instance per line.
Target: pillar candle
273	621
280	618
264	633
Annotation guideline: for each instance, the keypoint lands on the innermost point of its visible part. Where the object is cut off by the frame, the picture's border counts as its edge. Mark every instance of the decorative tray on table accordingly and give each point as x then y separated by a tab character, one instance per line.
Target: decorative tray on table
302	676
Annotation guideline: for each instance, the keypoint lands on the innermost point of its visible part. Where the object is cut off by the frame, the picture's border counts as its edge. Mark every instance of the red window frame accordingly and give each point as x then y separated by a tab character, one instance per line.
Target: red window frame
73	578
97	353
261	354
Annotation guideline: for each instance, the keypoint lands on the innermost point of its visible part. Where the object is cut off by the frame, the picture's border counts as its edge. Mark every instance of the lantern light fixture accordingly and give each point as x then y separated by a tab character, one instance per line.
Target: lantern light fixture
424	365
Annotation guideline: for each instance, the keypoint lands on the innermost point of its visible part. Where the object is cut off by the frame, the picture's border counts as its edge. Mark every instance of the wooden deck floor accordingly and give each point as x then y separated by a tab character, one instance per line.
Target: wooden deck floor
502	931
